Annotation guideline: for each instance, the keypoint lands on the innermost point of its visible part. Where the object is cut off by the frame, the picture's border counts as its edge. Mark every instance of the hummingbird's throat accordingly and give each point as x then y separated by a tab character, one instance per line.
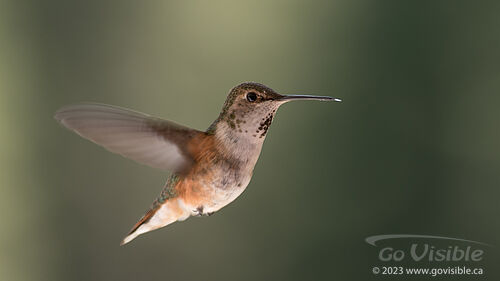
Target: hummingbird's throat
261	131
243	140
242	128
251	131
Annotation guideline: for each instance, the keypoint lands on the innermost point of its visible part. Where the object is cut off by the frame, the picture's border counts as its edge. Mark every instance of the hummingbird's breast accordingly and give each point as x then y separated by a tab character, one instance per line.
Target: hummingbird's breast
217	177
223	185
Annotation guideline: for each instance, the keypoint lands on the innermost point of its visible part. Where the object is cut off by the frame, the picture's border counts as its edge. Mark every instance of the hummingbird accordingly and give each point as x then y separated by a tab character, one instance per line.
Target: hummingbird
209	169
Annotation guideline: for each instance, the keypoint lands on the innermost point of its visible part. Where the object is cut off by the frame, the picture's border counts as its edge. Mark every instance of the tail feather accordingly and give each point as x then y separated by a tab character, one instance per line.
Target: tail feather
133	232
157	217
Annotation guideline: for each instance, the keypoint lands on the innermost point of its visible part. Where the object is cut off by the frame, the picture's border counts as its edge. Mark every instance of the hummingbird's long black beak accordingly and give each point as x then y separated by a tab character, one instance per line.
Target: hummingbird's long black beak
307	97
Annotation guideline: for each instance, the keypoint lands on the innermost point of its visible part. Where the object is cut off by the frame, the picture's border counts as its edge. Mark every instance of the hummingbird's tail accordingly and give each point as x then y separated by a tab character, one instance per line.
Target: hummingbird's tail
158	216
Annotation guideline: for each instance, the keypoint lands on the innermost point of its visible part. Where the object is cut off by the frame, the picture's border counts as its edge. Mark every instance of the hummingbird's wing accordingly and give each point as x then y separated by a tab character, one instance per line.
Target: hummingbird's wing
148	140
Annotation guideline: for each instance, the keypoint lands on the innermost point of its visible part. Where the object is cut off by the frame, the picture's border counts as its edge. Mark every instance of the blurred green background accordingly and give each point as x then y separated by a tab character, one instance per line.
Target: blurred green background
414	147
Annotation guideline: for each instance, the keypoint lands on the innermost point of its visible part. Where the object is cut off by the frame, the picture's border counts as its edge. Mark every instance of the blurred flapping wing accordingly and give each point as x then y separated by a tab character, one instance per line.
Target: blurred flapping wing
148	140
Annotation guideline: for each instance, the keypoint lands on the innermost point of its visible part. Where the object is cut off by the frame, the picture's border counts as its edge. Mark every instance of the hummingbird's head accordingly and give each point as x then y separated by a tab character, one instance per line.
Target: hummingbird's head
250	107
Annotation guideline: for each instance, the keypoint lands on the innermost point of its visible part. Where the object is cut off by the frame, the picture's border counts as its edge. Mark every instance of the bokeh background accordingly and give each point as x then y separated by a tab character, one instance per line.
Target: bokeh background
414	147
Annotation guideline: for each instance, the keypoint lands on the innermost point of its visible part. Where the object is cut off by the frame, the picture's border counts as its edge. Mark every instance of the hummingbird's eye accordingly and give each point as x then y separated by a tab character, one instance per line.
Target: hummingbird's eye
251	96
